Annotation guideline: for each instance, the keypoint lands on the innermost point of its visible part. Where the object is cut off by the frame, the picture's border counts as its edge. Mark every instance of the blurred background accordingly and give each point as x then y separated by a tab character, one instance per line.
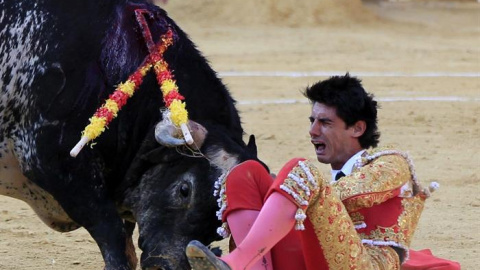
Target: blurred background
421	59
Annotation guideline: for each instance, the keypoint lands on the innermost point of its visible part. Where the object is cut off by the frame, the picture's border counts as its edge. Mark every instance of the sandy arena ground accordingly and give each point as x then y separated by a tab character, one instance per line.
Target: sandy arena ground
421	60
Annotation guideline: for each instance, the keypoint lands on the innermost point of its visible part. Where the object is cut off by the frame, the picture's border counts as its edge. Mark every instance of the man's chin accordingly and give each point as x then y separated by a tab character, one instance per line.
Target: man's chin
323	159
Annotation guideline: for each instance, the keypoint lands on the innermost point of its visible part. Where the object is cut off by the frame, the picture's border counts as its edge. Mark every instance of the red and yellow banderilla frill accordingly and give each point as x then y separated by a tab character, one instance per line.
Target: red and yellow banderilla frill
171	97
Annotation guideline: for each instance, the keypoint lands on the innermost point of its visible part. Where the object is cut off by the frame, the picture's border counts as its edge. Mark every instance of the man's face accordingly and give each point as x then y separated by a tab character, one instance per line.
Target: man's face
334	143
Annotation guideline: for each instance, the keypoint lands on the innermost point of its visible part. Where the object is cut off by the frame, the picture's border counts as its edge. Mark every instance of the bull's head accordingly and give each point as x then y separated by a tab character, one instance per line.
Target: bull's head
172	204
170	195
172	200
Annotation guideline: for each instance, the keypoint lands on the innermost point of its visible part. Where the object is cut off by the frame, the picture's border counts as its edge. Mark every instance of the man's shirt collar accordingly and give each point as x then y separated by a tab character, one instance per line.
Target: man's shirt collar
348	166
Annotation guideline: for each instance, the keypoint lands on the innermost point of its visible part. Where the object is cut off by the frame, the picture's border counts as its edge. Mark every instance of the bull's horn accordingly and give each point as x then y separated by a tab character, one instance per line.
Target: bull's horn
167	134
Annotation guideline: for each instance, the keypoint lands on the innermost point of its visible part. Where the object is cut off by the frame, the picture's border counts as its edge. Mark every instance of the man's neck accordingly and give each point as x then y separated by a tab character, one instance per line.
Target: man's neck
348	166
353	150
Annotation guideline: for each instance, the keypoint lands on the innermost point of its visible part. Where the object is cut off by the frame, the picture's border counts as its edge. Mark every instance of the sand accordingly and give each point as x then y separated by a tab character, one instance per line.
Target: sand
421	60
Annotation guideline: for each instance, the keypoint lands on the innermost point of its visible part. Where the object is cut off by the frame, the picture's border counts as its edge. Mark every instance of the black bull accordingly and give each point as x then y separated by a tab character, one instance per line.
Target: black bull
59	61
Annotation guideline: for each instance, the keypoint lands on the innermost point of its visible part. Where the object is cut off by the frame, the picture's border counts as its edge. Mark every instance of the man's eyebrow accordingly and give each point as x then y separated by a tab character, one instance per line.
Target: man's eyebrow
325	120
321	119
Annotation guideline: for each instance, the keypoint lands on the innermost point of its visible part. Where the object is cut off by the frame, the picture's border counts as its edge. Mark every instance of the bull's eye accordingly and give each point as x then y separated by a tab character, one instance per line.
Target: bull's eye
184	190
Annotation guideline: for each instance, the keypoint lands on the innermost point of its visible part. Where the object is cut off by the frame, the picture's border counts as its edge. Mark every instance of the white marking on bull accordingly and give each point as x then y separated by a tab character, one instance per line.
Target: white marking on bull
222	159
14	184
20	52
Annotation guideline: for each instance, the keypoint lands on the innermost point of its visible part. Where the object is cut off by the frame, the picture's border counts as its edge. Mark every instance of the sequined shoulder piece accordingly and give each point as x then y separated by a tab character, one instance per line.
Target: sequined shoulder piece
377	174
302	183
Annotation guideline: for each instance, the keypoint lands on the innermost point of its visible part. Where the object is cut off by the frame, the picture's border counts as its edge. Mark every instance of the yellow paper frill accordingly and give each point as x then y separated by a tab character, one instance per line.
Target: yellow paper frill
95	128
168	86
112	106
178	113
128	88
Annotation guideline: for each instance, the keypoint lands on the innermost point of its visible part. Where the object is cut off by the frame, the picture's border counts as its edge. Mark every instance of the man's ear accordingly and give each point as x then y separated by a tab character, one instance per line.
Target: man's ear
359	128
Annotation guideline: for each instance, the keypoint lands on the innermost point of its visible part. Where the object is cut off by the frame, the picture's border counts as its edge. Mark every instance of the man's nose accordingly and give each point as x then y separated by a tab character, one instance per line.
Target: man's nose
314	129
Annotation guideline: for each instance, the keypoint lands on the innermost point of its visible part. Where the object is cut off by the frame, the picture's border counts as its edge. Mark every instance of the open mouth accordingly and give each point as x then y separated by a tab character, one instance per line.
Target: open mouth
319	147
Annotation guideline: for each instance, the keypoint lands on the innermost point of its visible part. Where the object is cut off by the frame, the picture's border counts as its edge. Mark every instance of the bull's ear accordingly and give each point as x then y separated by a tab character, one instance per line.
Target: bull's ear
161	155
251	145
49	85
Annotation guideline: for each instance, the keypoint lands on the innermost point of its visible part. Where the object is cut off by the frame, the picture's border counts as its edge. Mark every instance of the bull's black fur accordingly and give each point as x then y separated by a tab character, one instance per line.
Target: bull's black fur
85	48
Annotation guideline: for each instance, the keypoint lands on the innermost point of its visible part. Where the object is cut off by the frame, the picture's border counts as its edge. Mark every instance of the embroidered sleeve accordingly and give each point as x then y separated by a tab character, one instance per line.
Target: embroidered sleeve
302	184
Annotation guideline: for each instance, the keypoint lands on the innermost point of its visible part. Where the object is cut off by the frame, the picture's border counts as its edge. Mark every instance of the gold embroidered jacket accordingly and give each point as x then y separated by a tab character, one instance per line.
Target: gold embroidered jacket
383	198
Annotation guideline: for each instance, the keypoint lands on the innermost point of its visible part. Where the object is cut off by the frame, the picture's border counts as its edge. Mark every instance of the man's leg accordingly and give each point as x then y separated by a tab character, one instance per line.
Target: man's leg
270	227
246	187
240	222
272	224
275	220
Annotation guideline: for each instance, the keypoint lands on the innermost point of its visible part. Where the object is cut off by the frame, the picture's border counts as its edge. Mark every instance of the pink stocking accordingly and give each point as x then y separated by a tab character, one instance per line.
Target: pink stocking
274	221
240	222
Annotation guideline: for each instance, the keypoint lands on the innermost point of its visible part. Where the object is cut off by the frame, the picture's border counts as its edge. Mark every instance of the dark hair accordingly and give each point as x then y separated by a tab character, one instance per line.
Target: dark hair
352	103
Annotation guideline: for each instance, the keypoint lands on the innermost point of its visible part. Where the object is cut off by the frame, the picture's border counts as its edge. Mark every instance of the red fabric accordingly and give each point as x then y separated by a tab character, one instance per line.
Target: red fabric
383	217
425	260
246	189
312	251
288	253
